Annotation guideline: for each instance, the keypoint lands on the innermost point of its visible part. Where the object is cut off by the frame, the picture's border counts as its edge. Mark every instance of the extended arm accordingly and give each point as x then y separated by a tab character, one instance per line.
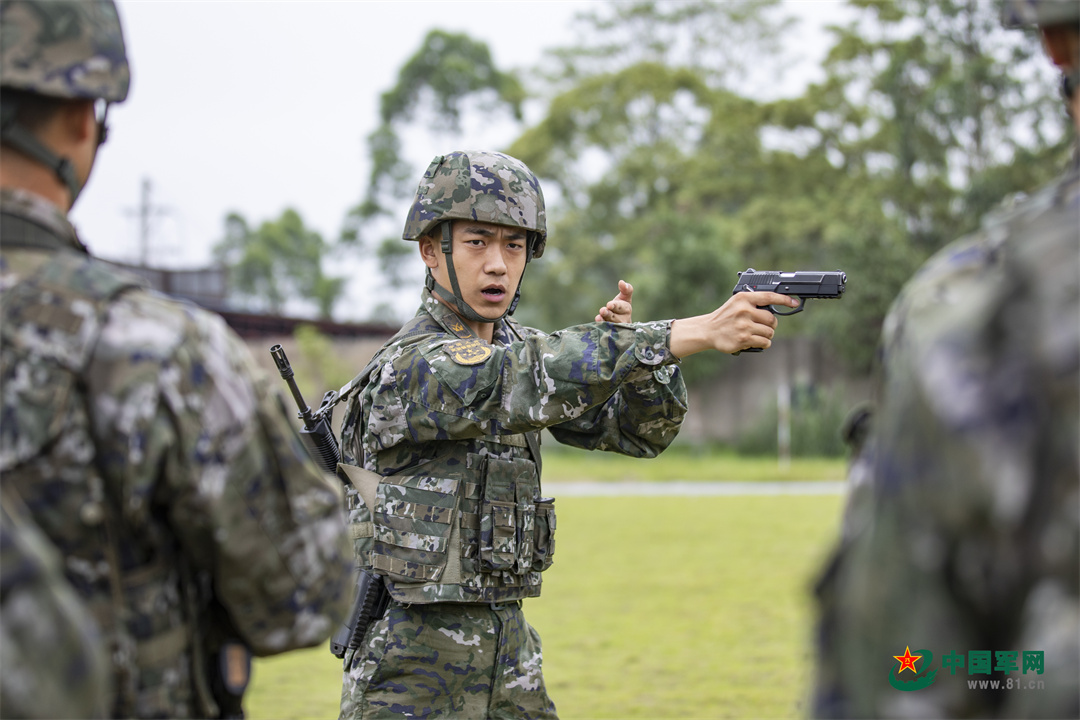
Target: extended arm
740	323
639	420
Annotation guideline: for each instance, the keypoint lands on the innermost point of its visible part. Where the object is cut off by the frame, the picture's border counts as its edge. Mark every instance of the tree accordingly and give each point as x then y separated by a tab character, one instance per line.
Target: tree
941	108
720	41
929	115
448	79
653	163
446	72
279	261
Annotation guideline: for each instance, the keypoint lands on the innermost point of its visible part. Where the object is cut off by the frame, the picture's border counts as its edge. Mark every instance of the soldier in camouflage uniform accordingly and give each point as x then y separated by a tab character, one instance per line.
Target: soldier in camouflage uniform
136	431
962	535
52	654
444	424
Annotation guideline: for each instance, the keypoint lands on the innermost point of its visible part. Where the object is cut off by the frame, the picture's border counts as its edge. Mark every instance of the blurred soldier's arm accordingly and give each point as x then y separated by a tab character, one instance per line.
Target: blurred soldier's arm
193	429
53	657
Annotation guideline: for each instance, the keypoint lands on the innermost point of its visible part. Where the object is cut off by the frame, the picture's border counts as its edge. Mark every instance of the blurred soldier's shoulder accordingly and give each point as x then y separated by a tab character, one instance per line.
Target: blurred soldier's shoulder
943	288
954	287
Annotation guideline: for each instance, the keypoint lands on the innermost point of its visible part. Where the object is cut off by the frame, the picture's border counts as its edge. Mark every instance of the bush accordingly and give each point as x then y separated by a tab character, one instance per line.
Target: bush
816	418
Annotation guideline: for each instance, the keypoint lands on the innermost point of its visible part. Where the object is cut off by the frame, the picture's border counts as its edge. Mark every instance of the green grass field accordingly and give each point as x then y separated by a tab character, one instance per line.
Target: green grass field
568	465
658	607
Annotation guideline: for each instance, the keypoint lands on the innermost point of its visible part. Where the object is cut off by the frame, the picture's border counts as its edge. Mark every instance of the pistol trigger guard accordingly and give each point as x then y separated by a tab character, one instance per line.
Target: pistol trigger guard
796	311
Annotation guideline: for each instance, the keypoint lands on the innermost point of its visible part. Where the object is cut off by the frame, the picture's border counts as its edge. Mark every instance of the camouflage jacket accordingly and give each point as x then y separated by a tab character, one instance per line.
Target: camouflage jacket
50	648
444	418
962	542
162	464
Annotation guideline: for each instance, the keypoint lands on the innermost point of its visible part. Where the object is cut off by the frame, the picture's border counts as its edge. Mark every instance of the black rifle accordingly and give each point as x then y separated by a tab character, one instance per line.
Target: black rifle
804	285
316	433
371	596
369	605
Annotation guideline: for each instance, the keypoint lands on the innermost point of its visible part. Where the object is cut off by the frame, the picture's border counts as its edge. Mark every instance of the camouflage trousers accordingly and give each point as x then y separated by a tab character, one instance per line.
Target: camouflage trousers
447	660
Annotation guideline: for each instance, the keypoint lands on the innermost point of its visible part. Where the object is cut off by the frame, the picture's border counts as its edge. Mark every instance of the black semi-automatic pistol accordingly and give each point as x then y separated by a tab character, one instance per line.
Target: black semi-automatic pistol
804	284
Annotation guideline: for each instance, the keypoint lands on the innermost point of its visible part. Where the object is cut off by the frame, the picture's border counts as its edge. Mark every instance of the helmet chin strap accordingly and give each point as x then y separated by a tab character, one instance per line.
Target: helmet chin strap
455	299
1069	82
21	139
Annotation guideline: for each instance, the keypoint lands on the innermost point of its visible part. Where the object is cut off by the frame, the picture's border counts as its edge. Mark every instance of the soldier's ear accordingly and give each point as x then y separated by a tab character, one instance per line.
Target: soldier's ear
78	120
1062	44
430	251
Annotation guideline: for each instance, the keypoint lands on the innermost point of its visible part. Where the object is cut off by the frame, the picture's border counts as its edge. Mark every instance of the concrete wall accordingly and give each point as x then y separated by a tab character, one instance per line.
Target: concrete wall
720	408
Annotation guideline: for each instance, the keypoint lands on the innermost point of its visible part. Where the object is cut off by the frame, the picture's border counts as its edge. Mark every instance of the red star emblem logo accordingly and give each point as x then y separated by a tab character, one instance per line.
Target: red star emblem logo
907	660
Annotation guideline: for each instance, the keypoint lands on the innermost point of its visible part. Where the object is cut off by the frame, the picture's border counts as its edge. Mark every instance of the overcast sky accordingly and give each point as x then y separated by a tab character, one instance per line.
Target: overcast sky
258	106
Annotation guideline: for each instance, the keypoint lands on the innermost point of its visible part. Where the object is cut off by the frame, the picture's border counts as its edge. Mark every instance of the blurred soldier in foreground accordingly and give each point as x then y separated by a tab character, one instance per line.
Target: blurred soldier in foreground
135	430
954	592
444	423
52	655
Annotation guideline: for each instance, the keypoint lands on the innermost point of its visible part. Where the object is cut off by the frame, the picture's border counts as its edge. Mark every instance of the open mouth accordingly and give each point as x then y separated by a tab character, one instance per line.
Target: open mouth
493	293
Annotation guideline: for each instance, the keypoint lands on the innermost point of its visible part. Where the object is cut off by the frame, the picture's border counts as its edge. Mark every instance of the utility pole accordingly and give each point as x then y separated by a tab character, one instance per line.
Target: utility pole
144	213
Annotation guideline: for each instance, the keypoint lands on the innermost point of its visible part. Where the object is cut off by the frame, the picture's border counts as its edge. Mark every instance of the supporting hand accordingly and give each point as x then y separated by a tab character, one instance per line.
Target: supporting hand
618	309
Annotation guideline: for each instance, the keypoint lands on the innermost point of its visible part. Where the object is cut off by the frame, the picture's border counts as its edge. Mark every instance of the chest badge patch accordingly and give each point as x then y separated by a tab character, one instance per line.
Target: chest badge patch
472	351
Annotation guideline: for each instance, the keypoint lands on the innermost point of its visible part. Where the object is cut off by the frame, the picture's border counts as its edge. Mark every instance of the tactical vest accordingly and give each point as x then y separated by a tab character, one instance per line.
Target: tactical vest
55	301
469	526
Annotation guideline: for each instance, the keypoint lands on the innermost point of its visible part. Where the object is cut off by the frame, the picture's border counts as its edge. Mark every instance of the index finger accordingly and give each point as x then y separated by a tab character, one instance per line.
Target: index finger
764	298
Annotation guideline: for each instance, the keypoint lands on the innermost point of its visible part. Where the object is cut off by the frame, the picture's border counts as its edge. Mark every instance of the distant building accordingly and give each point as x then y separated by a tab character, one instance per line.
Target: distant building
208	288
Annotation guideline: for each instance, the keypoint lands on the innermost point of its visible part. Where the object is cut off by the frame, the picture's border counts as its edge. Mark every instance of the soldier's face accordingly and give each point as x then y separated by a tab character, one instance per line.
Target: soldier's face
489	261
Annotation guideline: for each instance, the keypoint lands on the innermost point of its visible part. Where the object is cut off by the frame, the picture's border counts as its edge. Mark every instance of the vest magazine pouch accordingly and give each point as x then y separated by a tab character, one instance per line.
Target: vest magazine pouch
412	522
507	506
498	539
525	516
544	547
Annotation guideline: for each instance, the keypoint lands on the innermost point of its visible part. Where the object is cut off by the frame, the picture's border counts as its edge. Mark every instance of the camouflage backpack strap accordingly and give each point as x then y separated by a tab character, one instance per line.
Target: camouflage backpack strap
18	231
533	439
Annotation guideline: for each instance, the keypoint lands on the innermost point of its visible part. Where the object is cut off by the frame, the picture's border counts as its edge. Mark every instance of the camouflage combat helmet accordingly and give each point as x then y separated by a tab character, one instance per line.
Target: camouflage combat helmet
1043	13
63	49
477	185
1046	13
